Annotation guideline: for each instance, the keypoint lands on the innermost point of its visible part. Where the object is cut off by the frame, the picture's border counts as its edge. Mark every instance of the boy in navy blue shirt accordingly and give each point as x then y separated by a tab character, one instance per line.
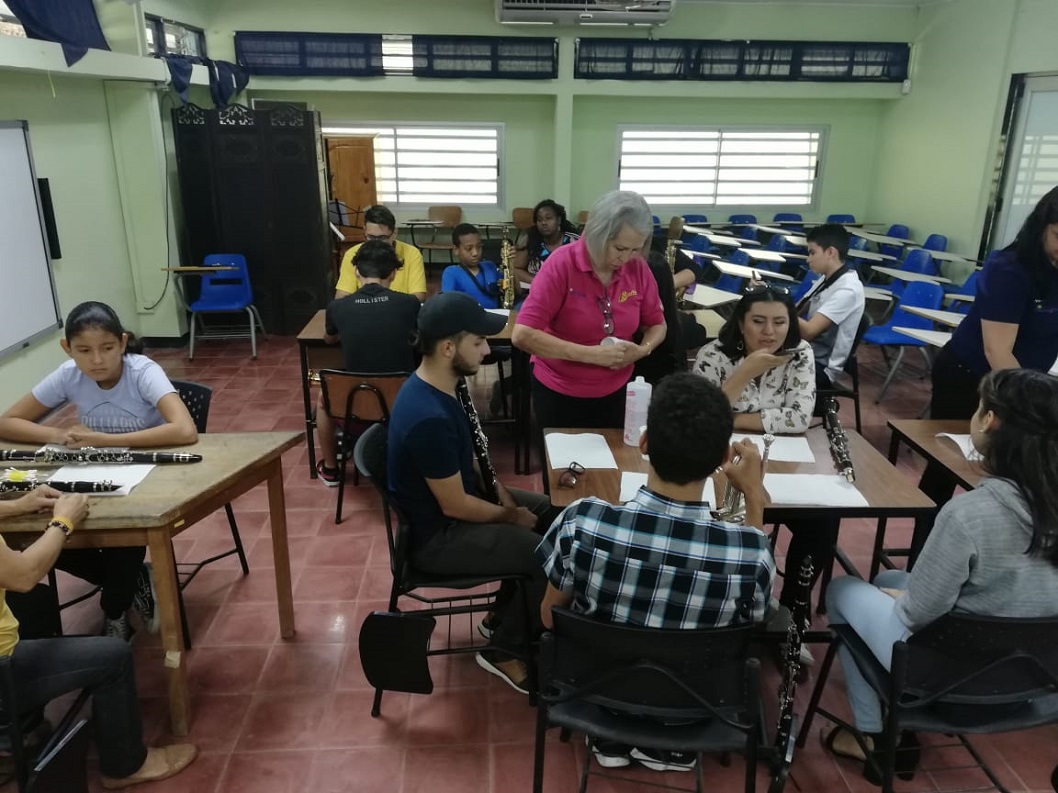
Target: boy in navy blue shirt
472	276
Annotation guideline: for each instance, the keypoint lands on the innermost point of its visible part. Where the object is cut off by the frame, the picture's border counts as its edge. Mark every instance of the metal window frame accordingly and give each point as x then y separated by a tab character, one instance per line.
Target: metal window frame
822	130
157	25
340	128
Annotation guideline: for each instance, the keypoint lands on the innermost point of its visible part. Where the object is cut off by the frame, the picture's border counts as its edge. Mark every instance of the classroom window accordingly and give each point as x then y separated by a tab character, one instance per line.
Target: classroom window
167	37
709	166
9	24
434	164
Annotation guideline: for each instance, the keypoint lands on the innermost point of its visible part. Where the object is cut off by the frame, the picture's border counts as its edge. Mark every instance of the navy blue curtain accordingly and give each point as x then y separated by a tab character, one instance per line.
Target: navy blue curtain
497	57
72	23
309	54
226	80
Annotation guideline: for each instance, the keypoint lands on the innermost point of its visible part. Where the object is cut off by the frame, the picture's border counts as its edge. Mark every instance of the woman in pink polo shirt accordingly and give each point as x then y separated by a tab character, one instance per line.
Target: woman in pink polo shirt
594	289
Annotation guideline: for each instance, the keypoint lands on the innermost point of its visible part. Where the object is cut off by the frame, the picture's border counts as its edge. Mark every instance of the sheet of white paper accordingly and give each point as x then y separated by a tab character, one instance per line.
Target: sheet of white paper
964	443
785	449
503	312
128	476
830	490
631	482
587	448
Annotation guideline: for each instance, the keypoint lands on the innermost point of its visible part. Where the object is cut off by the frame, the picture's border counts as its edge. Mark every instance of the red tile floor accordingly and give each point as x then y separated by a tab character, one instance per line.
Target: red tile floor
275	716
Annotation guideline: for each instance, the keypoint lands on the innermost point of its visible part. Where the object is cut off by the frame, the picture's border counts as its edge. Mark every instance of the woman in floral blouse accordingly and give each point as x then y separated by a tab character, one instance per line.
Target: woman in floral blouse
762	365
768	374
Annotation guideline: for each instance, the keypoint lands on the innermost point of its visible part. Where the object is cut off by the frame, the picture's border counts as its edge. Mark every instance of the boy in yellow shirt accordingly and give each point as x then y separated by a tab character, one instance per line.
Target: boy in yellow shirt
410	278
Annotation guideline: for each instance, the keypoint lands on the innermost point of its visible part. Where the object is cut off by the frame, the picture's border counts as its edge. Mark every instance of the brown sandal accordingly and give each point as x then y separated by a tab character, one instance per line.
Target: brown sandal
174	759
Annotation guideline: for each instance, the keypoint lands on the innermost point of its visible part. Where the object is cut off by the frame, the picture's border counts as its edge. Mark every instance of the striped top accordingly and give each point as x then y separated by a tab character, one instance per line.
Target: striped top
658	563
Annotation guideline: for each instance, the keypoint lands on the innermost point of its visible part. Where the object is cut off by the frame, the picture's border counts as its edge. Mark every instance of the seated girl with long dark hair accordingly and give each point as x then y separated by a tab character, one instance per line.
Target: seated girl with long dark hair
993	551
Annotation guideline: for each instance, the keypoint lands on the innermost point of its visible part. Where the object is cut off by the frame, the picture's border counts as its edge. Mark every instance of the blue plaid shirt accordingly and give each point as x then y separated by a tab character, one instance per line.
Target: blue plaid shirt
658	563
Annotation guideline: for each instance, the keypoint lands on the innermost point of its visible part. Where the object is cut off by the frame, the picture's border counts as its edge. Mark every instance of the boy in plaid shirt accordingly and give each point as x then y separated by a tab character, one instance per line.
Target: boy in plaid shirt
662	560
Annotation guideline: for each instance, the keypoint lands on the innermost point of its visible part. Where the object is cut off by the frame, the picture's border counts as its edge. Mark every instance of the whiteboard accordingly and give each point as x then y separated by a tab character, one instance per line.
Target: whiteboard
29	308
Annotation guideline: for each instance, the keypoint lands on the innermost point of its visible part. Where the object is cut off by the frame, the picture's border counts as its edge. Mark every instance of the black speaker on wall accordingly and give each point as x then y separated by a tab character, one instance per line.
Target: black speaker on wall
252	182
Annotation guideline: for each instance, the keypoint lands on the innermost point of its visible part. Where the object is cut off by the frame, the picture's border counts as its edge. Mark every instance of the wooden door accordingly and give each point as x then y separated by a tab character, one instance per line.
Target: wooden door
352	166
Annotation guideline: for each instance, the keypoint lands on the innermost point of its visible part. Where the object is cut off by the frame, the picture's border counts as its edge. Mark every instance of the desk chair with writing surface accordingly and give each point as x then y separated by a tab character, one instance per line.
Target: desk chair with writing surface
794	219
522	220
603	678
917	293
226	292
741	227
394	645
961	674
59	765
840	218
692	219
897	230
936	242
916	261
441	240
969	287
353	400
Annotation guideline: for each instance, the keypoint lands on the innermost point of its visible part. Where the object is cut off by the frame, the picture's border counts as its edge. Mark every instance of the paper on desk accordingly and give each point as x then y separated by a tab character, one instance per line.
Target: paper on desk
964	443
785	449
632	481
587	448
829	490
128	476
503	312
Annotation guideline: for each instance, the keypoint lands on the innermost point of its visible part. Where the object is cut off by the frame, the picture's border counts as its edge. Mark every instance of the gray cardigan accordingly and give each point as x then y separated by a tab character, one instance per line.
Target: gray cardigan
974	561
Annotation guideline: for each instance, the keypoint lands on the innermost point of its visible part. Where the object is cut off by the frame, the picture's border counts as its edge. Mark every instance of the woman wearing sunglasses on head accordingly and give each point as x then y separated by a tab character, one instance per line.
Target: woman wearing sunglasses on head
584	310
767	372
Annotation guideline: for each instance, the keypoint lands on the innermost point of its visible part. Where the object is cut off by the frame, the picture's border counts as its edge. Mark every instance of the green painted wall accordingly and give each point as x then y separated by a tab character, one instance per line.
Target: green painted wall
70	136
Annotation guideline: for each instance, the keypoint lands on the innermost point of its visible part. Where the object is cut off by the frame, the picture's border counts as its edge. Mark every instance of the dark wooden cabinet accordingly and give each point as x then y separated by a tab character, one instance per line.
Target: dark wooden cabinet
254	182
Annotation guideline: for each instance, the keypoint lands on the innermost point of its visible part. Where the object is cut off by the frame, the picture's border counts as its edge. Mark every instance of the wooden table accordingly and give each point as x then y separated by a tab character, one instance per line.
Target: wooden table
907	276
315	354
888	492
951	319
173	498
934	338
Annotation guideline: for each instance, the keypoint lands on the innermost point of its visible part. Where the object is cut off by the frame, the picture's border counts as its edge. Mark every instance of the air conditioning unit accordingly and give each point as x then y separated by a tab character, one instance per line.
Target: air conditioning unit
585	12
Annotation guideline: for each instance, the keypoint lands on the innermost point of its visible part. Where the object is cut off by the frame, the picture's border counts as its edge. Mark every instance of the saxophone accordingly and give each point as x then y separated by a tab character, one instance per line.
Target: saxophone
732	508
507	269
670	260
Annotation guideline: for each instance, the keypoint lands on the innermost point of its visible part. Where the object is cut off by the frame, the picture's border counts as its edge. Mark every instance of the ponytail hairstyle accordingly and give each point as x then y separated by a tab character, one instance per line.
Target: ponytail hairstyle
1023	446
94	315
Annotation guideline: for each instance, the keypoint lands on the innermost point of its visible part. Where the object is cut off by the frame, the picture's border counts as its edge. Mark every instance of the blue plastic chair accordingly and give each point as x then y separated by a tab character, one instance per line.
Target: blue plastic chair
729	283
743	231
802	288
895	230
916	261
692	219
969	287
227	291
841	218
936	242
657	222
791	218
917	293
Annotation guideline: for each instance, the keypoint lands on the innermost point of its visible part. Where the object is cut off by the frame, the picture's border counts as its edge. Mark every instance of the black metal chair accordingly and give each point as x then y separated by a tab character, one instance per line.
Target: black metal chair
959	675
340	391
59	765
852	368
197	398
394	646
617	682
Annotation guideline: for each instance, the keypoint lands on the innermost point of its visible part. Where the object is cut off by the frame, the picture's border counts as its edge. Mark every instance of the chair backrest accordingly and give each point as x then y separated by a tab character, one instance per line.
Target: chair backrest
695	219
936	242
858	243
777	243
196	398
743	218
729	283
450	216
898	230
582	218
919	261
650	671
522	217
787	217
675	231
227	286
355	396
738	256
969	287
806	283
967	659
922	295
657	222
839	218
369	457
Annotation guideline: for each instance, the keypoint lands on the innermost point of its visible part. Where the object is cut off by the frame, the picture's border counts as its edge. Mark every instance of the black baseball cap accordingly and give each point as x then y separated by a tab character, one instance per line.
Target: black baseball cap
450	313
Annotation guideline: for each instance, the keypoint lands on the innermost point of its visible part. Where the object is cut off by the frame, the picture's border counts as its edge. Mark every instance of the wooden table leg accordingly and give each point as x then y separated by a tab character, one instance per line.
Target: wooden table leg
167	604
277	517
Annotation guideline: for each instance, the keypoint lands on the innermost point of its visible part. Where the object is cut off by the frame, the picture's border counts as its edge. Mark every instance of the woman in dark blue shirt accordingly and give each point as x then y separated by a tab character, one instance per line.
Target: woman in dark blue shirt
1012	324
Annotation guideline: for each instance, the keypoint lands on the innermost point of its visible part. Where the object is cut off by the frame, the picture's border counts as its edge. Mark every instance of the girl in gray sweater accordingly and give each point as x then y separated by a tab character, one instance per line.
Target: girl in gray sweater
993	551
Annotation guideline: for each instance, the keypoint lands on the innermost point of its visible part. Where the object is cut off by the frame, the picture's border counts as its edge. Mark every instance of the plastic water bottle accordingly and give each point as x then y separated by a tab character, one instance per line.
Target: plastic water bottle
637	401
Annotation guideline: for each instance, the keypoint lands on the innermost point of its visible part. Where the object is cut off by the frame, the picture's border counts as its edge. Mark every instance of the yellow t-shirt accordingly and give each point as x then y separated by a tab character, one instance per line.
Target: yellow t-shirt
409	279
8	624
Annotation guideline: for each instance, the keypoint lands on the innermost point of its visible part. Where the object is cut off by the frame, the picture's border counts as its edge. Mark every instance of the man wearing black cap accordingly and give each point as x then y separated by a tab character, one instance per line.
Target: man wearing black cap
433	478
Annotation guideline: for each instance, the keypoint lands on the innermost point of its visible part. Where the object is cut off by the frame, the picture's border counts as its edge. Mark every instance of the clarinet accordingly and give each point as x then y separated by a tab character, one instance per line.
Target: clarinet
786	734
839	442
24	486
89	454
490	481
